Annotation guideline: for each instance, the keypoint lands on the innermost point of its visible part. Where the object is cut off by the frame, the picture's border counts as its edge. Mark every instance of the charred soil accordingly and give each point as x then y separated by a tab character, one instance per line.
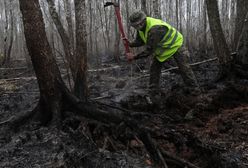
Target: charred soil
207	130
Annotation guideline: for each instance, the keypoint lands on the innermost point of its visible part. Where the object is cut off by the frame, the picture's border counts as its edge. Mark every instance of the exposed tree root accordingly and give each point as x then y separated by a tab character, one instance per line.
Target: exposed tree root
92	112
116	117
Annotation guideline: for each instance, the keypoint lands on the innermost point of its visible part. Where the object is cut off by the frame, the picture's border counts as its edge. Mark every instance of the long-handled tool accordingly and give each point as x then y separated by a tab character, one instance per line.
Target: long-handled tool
118	15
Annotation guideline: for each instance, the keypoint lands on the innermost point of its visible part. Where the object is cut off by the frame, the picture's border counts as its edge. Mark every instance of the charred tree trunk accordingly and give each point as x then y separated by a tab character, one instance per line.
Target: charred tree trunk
189	21
81	88
6	34
7	61
220	43
242	8
71	33
205	40
127	12
107	20
9	34
177	14
91	45
241	59
102	26
68	49
47	72
117	41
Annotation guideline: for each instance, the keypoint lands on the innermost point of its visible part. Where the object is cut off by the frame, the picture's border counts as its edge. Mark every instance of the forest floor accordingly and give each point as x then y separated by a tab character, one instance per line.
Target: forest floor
208	130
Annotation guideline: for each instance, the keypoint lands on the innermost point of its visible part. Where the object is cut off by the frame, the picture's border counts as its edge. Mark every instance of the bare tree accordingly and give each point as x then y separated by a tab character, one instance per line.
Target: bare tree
144	6
189	23
81	85
127	15
49	78
242	8
117	41
242	51
102	25
205	26
68	47
220	43
7	58
69	20
9	33
91	27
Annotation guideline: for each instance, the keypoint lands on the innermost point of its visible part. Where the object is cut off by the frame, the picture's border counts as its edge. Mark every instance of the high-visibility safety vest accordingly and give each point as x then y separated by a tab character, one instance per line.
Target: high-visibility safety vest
170	43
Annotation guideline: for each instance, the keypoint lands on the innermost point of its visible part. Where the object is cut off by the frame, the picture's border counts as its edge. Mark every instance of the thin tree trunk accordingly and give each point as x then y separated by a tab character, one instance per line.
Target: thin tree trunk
102	24
241	8
189	18
127	12
107	23
70	24
24	44
91	27
136	3
81	86
220	43
181	16
6	33
205	40
177	14
64	37
117	41
144	7
242	56
11	37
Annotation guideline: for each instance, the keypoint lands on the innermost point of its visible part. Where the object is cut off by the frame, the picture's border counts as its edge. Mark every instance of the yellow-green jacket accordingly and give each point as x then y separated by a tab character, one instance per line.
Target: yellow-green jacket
170	43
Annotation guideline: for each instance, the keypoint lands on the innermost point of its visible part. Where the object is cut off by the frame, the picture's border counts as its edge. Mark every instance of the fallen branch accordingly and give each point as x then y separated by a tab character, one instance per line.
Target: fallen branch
104	69
174	68
102	97
20	92
20	78
19	68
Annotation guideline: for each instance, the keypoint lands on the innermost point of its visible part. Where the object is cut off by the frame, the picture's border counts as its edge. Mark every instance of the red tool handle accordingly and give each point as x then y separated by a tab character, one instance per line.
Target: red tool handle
123	36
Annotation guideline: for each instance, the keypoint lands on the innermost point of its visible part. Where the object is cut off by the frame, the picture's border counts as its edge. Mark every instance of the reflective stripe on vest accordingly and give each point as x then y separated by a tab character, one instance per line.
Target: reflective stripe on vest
171	42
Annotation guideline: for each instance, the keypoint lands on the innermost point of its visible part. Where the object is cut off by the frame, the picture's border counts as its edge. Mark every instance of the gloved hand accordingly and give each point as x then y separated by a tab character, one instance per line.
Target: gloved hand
130	56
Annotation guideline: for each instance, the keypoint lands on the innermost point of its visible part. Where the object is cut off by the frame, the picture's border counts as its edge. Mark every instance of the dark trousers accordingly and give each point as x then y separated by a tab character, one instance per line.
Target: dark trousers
181	57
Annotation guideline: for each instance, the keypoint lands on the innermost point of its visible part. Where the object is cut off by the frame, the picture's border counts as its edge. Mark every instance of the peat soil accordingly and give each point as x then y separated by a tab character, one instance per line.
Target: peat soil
207	130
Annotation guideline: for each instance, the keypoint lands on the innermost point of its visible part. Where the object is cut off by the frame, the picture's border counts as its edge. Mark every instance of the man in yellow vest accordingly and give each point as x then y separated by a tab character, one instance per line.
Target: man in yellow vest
163	42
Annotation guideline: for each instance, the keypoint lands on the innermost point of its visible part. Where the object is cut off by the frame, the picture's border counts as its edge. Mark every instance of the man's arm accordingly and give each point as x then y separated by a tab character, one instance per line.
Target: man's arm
138	42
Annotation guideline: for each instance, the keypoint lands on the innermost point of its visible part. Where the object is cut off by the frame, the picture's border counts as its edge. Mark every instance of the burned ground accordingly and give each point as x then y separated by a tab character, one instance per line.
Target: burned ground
209	130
